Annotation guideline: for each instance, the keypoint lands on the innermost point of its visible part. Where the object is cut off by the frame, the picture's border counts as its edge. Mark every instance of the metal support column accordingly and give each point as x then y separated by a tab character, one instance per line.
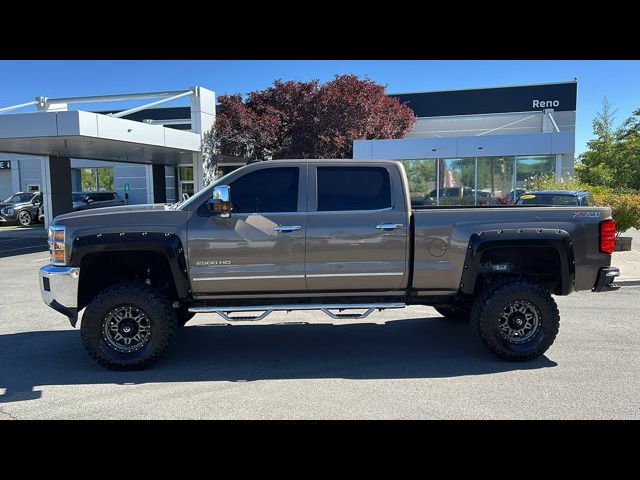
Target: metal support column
159	184
56	191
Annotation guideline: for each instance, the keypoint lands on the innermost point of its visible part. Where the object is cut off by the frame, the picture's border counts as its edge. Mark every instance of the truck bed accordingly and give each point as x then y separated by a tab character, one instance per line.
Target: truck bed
442	234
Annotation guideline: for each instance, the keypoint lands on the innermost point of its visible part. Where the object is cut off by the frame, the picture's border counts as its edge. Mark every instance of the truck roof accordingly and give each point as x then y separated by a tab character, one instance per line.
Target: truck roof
382	160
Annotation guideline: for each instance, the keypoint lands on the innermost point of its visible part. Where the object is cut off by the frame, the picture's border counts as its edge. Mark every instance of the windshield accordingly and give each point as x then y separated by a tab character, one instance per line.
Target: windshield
185	204
19	198
547	199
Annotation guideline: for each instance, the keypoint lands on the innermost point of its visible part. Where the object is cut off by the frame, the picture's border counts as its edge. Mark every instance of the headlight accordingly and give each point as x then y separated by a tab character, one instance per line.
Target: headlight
56	244
8	211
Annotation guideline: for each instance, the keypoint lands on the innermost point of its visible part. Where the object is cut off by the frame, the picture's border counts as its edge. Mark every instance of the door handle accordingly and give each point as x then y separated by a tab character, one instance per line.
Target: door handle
287	228
389	226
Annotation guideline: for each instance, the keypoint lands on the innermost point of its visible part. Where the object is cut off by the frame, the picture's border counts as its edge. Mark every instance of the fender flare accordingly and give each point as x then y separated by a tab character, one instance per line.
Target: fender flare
168	244
557	239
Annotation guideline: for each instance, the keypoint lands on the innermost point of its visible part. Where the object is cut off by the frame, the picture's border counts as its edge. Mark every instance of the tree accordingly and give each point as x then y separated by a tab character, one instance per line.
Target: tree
613	157
296	119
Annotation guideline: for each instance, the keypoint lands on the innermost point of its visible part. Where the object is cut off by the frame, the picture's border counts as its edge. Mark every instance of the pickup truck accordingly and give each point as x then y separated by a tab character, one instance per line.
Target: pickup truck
339	236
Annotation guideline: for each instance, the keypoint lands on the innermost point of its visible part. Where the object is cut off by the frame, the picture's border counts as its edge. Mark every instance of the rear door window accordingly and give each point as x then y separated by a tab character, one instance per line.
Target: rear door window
353	188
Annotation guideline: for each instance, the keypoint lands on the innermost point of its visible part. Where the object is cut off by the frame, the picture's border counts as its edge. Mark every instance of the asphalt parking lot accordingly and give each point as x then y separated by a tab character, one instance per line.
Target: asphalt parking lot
403	364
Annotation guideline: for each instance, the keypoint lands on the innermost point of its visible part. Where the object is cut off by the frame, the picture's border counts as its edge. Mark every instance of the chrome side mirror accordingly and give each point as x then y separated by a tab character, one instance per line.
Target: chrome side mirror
220	201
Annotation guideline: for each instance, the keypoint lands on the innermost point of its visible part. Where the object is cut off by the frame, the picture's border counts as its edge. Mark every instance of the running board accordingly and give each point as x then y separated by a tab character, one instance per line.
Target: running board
267	309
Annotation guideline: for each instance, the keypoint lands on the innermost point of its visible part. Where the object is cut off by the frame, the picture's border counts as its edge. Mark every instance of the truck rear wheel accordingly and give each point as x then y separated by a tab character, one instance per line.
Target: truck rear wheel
451	312
128	326
517	320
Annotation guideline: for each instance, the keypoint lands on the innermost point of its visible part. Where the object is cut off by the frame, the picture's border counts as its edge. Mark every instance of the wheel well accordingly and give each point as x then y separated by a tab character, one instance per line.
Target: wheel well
102	269
540	264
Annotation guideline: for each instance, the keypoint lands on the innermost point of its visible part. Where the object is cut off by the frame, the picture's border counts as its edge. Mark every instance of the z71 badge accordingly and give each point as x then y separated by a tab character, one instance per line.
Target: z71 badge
586	214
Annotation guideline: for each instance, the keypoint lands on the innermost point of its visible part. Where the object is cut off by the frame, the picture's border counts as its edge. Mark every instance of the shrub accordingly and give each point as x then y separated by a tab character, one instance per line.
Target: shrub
625	209
625	206
548	181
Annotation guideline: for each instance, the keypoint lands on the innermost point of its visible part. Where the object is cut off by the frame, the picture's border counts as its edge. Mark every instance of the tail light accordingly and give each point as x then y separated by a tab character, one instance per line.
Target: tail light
56	245
608	236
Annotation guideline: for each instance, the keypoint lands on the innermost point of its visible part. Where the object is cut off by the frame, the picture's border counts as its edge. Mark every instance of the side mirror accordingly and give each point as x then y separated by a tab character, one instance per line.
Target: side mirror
220	201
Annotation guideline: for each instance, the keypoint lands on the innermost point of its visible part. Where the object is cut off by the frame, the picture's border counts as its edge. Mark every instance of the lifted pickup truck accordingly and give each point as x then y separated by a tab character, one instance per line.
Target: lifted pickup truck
332	235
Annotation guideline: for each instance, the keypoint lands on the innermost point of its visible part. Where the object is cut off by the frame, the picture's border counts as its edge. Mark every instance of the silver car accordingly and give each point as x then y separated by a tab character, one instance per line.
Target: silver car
86	200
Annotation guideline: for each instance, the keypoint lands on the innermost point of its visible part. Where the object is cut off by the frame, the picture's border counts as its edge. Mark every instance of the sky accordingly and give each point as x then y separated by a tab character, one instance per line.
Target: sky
619	80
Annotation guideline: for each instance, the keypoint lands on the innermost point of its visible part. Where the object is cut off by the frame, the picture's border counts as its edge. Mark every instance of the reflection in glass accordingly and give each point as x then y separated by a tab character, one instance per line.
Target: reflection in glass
422	179
496	177
495	181
533	165
457	180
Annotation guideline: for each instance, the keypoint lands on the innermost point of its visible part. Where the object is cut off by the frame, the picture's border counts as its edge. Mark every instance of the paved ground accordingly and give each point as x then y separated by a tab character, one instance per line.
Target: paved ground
405	364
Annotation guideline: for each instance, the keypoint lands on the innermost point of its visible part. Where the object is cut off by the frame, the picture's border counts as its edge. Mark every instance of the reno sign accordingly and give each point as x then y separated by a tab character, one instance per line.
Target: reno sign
546	103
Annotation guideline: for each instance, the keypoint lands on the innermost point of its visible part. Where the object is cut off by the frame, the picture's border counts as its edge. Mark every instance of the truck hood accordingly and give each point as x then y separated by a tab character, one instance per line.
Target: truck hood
122	211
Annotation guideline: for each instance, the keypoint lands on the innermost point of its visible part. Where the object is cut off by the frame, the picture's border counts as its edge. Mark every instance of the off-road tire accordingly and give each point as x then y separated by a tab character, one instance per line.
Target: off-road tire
183	315
454	313
159	311
491	302
24	218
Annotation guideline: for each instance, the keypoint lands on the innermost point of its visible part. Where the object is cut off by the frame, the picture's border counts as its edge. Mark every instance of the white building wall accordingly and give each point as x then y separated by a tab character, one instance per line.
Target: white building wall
458	147
26	169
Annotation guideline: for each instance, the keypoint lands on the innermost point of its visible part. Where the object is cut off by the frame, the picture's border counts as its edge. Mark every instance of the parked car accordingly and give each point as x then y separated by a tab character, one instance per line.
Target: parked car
457	196
86	200
21	207
511	197
566	198
328	235
41	213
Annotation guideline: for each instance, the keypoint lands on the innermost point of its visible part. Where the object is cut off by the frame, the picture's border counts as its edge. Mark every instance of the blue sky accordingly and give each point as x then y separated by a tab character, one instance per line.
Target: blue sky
21	81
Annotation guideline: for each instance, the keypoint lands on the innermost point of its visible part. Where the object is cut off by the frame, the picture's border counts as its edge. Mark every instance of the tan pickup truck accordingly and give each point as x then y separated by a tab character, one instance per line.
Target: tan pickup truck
338	236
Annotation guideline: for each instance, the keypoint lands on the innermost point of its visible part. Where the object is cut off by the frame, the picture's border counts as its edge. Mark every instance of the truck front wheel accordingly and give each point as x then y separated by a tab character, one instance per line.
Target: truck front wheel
128	326
516	320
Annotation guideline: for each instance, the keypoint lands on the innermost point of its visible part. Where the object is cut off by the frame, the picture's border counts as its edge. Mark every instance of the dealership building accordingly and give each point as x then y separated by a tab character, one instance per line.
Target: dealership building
478	143
485	140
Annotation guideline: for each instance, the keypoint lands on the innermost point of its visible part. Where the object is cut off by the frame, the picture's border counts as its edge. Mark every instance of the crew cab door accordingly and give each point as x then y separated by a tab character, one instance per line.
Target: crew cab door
260	247
357	233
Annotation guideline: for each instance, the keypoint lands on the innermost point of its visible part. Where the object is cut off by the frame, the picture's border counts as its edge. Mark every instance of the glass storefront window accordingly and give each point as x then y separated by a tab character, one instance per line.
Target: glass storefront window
500	180
457	181
422	179
186	173
185	180
532	165
495	181
97	179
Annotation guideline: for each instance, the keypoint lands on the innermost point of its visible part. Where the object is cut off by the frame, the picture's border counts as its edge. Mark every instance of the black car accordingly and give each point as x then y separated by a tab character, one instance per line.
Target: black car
21	207
567	198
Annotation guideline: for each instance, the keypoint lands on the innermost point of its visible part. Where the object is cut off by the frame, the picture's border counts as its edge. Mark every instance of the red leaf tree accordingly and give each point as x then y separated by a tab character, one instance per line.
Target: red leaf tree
308	119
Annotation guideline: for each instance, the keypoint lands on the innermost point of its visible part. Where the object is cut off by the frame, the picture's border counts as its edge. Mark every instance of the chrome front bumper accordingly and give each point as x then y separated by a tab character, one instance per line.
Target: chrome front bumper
59	289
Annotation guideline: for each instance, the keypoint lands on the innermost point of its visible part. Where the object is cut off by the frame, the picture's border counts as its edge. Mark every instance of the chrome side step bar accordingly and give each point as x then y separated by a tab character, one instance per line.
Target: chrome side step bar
267	309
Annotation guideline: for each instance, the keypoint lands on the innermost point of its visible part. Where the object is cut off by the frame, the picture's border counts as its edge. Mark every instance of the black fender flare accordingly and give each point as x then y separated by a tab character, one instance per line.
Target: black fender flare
557	239
168	244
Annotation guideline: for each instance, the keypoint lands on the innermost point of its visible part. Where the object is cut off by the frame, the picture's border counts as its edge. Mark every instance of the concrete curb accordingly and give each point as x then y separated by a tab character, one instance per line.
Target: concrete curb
627	282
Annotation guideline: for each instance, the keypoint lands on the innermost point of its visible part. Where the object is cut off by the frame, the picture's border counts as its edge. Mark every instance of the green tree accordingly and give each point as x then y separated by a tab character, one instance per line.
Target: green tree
613	156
